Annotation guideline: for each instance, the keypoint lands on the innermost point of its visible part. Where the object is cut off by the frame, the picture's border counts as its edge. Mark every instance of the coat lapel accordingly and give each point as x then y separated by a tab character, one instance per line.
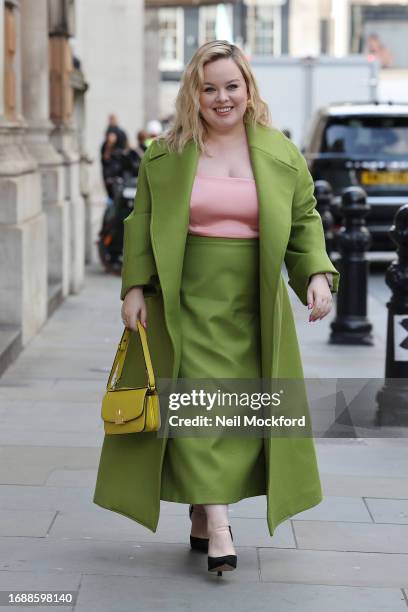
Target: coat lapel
275	179
171	177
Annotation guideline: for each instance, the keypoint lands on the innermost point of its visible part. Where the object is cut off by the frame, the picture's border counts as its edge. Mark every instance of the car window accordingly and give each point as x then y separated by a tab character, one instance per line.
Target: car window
366	135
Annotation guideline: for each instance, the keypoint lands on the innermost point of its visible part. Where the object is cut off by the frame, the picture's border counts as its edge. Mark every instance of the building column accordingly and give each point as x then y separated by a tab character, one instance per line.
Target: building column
151	76
63	135
340	17
23	228
80	119
35	89
304	28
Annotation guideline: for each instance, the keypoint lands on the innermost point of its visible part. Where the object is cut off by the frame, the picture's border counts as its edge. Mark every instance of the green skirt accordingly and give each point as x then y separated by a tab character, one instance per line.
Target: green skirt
220	328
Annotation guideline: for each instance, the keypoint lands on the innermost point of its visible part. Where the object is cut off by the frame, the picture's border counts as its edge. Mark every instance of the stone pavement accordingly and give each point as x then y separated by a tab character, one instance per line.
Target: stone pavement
348	553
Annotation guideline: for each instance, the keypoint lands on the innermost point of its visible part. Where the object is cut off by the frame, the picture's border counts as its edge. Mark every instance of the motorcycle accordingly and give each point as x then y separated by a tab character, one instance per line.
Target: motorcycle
110	237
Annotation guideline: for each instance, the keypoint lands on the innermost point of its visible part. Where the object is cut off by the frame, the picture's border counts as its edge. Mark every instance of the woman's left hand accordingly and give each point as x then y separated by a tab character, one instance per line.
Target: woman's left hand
319	297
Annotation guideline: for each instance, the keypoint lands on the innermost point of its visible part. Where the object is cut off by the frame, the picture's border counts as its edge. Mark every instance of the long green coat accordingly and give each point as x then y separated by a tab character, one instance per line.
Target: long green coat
290	232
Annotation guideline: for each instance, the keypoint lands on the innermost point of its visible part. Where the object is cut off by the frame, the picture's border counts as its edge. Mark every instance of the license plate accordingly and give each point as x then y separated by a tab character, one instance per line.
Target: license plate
384	178
129	193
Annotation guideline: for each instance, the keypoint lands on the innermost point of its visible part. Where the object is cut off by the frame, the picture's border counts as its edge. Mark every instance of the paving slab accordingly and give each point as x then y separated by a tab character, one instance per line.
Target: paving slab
337	508
45	497
331	508
333	568
388	510
72	478
29	523
40	581
122	593
364	537
54	439
57	581
364	458
364	486
121	558
32	465
51	390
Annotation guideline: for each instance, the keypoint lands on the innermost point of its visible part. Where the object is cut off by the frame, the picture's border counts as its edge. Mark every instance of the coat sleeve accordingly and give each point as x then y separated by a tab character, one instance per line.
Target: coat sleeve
139	267
306	250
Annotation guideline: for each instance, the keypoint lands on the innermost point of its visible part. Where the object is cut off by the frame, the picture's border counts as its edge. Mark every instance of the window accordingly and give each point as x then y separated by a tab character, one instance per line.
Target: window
383	136
264	28
171	37
380	31
215	22
207	23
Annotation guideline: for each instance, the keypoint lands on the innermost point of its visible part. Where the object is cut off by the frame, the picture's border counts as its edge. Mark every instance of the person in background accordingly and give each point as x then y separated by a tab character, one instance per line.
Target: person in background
379	50
111	160
113	127
132	157
141	146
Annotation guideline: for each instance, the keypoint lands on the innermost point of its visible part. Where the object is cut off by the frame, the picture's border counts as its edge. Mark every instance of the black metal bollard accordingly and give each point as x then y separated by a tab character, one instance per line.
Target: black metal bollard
393	397
351	325
324	196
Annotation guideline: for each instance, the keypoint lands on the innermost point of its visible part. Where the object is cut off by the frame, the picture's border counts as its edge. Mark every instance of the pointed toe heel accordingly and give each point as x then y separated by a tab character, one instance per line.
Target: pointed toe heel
225	563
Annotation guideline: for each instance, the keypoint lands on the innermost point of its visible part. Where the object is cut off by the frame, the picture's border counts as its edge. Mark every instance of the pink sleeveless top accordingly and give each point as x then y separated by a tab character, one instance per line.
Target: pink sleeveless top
224	206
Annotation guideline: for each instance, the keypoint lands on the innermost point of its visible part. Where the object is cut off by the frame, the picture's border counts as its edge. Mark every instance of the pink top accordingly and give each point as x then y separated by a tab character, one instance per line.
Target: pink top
224	206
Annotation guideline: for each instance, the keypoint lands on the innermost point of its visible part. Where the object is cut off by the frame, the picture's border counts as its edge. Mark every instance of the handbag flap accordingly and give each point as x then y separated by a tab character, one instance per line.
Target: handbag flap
123	405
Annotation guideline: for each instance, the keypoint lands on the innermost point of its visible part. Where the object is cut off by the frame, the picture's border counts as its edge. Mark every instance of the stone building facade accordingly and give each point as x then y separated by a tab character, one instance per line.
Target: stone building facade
42	199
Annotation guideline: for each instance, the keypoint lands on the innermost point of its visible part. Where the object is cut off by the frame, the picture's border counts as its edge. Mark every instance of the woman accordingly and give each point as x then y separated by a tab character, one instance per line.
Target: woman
223	200
111	159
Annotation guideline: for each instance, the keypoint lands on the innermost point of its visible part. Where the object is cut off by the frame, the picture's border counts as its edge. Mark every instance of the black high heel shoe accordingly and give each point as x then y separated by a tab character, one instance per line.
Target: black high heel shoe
200	544
225	563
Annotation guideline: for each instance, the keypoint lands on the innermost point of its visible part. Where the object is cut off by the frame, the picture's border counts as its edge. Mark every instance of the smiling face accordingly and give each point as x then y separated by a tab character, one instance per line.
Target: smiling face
223	96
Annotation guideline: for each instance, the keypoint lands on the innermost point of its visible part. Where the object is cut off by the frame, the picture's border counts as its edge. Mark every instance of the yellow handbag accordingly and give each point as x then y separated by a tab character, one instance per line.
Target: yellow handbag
128	409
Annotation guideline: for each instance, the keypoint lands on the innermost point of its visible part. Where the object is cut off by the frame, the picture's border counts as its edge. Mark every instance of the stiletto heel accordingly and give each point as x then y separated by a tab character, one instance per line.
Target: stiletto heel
200	544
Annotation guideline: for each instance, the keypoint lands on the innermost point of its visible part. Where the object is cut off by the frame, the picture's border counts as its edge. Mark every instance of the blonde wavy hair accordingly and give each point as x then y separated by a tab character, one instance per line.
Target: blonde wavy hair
187	122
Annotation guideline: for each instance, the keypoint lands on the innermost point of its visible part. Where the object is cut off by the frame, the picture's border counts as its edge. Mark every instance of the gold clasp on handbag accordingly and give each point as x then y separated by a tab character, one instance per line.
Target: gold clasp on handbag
123	343
119	417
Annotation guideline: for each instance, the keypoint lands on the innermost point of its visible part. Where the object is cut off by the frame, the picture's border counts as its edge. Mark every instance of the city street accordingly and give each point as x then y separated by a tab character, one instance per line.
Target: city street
348	553
125	125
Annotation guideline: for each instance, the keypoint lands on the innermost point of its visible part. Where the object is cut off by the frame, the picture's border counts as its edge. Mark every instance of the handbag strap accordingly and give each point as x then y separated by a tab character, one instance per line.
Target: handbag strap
119	360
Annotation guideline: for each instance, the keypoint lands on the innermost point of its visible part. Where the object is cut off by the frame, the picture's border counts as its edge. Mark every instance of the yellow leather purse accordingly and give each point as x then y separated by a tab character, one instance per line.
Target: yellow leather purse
129	409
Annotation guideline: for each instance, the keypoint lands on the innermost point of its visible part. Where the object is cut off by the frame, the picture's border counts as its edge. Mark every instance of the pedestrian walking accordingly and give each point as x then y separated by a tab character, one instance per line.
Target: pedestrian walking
223	199
141	145
111	161
114	128
132	156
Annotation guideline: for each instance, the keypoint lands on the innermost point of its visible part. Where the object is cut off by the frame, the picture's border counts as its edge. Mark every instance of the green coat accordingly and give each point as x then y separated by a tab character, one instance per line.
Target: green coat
290	232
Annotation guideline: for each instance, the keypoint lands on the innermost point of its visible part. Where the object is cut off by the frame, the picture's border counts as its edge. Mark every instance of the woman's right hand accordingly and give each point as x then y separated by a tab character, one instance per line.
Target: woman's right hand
133	308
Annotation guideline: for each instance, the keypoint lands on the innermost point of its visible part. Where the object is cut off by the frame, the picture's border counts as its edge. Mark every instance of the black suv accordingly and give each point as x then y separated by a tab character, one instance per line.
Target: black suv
363	144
